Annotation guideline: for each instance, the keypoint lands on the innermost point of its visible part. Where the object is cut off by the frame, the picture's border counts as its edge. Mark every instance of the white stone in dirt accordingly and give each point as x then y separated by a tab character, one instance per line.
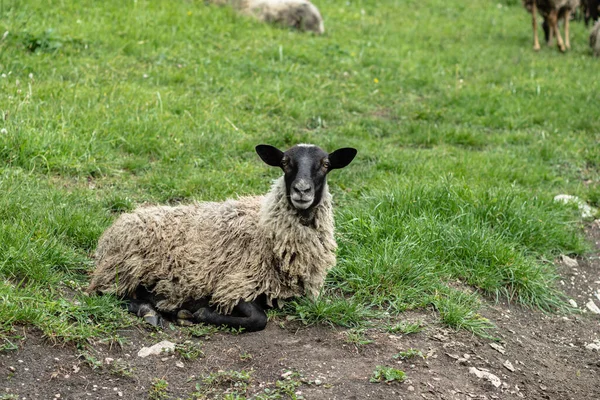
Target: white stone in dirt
592	307
493	379
569	262
573	303
179	364
585	209
593	346
157	349
498	347
508	365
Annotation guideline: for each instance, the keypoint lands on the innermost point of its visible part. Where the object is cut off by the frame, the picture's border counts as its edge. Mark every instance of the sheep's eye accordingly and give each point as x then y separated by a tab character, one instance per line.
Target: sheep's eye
326	164
285	162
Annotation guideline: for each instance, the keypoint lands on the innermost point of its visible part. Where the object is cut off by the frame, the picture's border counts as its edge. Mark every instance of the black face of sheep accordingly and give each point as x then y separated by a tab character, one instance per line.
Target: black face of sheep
305	168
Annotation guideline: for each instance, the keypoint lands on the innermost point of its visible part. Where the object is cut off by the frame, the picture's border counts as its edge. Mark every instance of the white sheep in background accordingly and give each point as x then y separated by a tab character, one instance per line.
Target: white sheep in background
223	263
299	14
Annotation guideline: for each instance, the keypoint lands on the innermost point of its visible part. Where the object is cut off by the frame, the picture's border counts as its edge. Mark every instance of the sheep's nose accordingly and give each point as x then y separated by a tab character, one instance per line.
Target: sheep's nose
302	187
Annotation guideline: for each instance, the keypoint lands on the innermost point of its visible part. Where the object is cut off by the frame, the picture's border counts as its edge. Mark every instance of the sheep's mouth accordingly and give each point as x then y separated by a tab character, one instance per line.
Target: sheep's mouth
302	204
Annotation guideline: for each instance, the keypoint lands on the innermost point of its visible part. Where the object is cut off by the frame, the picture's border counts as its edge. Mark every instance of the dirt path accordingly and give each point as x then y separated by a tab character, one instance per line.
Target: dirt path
547	355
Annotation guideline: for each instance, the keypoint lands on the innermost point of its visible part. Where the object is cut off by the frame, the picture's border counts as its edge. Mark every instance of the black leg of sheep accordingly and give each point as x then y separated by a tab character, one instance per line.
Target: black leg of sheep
146	311
250	317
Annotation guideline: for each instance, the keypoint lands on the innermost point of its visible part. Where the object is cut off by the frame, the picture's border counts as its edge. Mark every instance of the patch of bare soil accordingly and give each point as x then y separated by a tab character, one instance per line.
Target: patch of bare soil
538	356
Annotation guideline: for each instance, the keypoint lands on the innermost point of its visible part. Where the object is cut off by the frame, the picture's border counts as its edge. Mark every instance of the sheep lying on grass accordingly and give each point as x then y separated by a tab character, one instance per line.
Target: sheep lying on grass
552	11
299	14
223	263
595	39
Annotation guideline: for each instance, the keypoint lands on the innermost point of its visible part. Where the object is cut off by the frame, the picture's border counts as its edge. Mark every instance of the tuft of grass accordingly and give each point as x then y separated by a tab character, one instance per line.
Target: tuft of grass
387	375
231	383
121	368
406	327
408	354
189	350
158	389
331	310
357	337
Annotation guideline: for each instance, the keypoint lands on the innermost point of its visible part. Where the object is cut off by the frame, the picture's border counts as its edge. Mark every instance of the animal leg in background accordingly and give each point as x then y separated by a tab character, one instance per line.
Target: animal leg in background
536	43
567	17
248	316
547	32
553	22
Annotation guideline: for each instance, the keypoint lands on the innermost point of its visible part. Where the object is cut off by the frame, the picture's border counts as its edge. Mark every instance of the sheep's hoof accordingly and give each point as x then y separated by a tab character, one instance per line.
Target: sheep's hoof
184	322
153	319
536	47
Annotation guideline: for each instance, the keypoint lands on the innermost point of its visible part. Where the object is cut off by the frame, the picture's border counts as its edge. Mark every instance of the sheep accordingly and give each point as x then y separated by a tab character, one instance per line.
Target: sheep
595	39
223	263
551	11
299	14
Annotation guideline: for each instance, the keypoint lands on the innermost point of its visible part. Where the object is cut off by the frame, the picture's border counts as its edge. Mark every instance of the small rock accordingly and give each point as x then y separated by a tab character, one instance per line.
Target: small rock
592	307
508	365
76	369
179	364
569	262
573	303
498	347
108	360
411	388
12	369
287	374
593	346
318	382
157	349
493	379
120	394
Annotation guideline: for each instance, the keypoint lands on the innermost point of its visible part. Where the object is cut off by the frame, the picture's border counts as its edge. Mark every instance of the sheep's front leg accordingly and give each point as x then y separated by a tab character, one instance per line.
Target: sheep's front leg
252	317
146	311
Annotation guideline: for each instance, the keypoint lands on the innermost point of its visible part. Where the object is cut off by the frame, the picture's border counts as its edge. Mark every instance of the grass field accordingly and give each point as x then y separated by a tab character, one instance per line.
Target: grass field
464	137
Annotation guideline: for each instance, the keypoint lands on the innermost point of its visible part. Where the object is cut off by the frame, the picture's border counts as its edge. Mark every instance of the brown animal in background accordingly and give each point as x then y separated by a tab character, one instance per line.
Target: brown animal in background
552	11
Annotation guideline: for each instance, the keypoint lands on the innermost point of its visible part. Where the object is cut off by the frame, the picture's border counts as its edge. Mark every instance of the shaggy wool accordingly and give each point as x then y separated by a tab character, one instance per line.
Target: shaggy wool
300	14
229	251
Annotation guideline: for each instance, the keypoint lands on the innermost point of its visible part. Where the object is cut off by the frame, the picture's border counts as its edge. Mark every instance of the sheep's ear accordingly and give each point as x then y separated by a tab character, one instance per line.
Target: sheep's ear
270	155
341	157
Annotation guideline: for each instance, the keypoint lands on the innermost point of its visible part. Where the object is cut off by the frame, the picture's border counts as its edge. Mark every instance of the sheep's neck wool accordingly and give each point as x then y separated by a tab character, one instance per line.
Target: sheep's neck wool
227	252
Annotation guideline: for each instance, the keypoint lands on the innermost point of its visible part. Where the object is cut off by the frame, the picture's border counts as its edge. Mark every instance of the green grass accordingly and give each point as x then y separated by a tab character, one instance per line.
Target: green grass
387	375
464	137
